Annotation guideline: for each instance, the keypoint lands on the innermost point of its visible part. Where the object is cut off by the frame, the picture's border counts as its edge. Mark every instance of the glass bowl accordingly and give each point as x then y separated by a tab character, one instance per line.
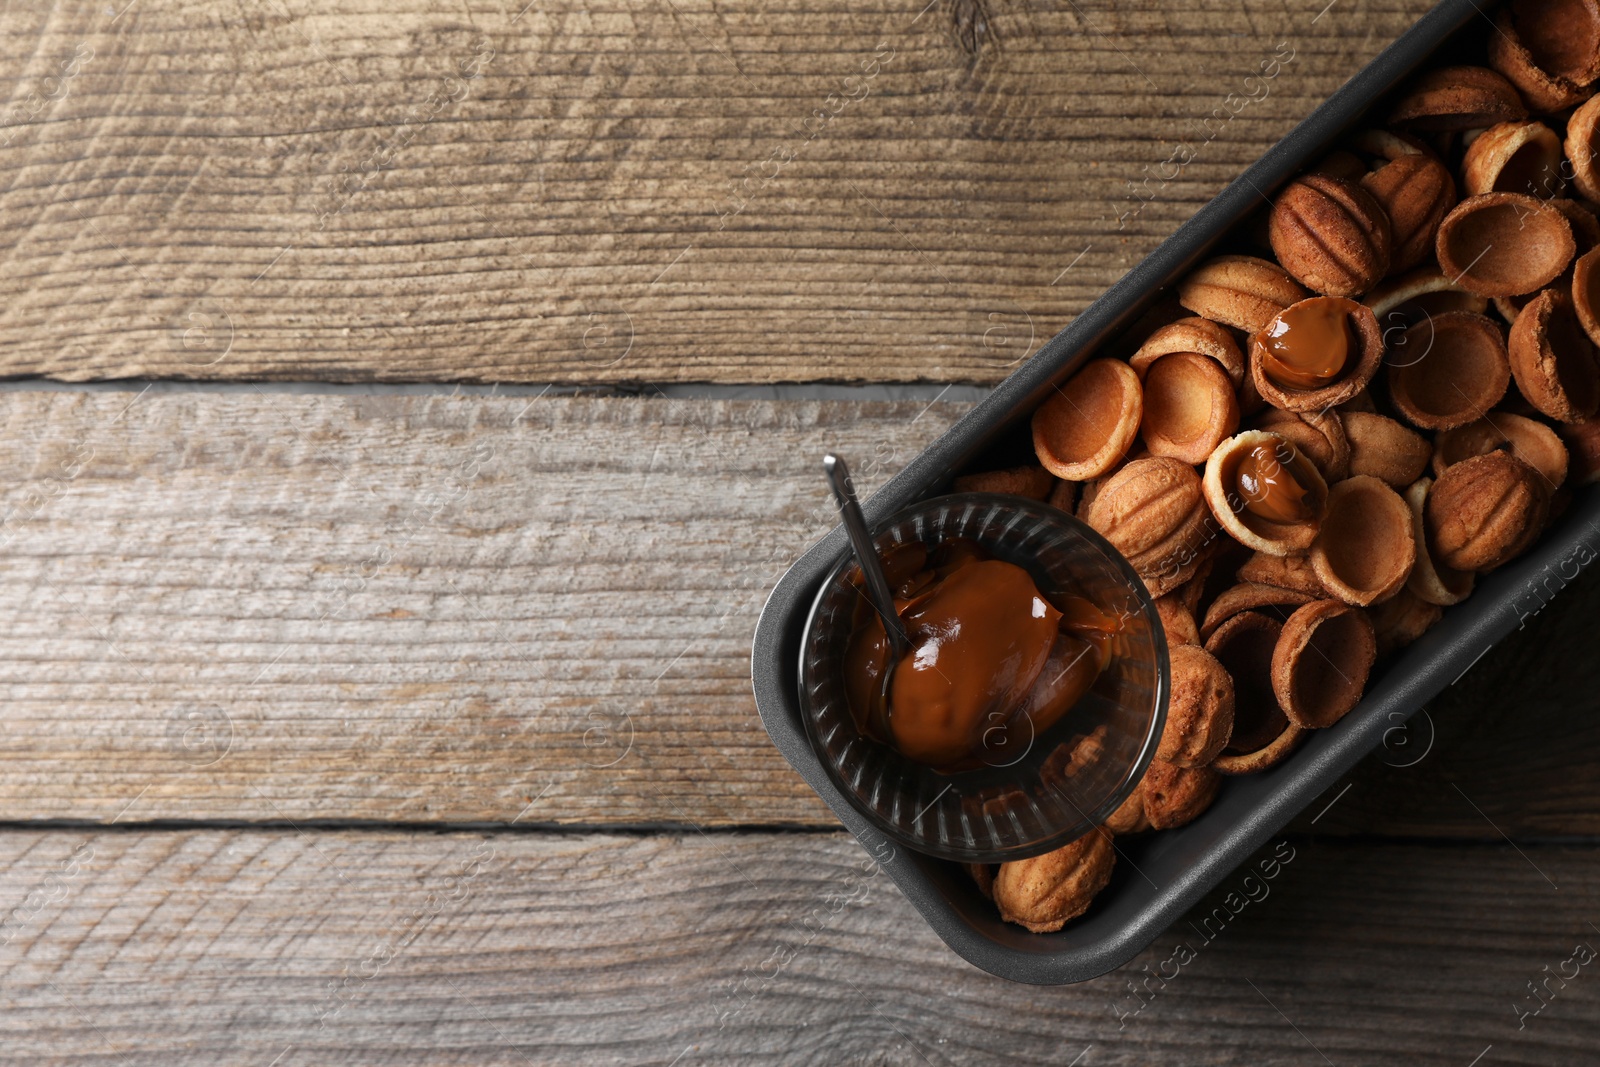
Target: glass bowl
1067	780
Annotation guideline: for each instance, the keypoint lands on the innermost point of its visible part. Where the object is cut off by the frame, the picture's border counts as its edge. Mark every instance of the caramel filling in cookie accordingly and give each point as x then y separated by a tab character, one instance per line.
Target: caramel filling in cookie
1268	488
1308	345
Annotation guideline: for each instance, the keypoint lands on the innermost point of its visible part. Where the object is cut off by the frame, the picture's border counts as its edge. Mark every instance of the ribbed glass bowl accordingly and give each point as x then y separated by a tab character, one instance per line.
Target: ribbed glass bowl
1063	785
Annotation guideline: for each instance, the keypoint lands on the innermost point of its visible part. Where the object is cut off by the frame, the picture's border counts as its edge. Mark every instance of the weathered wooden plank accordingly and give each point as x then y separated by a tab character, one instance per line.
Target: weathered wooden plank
399	607
589	192
227	947
274	606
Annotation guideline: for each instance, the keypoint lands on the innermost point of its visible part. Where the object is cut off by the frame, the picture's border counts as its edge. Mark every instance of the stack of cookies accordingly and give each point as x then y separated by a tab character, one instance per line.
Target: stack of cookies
1317	443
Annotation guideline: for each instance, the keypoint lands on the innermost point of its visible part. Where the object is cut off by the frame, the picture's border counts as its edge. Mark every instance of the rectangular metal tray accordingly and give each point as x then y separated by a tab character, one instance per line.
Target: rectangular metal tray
1162	876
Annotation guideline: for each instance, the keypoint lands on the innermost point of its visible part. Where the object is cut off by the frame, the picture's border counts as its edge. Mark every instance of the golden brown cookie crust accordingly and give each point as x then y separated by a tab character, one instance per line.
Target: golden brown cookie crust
1153	512
1044	892
1088	425
1483	511
1200	711
1176	796
1366	547
1321	662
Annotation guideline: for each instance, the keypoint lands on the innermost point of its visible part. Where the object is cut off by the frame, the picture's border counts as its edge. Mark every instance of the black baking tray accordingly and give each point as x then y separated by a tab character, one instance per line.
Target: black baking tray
1161	876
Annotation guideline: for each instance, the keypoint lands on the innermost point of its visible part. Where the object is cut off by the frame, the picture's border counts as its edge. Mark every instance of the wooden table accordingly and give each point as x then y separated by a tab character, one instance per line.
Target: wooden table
408	720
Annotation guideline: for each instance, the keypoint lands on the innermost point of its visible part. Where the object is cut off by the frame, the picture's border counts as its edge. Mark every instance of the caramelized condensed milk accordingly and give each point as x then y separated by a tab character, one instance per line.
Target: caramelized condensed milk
993	661
1308	345
1265	483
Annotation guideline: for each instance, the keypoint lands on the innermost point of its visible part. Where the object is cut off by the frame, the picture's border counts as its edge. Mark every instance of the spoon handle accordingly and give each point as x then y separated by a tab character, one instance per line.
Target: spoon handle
855	524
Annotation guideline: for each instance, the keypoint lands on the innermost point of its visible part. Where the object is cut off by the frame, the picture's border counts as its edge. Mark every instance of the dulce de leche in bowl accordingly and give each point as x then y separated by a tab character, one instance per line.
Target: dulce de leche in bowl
1031	697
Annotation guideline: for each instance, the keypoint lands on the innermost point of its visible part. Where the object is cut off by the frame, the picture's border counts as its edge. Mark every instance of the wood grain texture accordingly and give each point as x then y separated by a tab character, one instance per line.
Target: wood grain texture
255	948
276	606
572	191
396	607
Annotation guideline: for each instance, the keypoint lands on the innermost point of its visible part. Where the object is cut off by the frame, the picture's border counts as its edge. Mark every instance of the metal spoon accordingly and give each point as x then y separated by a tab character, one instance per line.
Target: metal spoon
855	524
878	592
